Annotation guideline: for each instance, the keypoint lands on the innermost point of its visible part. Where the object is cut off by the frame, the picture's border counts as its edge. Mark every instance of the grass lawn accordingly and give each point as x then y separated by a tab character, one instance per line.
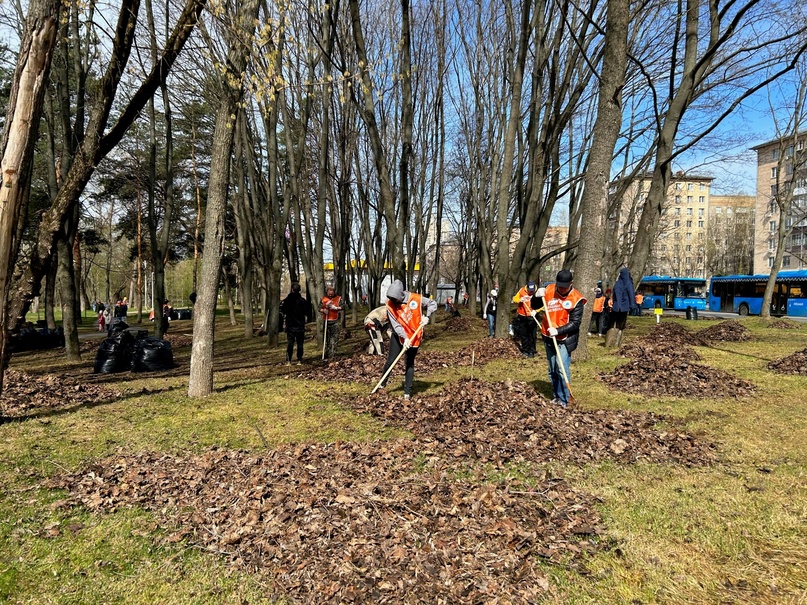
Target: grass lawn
731	532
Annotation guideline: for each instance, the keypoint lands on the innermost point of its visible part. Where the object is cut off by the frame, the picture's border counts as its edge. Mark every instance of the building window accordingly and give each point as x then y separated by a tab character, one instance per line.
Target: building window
677	235
773	225
689	236
775	154
689	211
701	199
689	260
700	235
689	199
774	190
676	223
771	244
689	224
770	262
789	169
797	239
702	186
700	211
774	172
772	206
689	248
789	151
785	261
677	199
718	210
677	211
678	186
690	186
700	224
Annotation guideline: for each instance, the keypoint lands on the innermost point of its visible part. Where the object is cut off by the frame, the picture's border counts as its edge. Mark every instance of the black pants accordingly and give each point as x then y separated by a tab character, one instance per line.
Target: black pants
524	329
292	338
395	347
618	319
595	327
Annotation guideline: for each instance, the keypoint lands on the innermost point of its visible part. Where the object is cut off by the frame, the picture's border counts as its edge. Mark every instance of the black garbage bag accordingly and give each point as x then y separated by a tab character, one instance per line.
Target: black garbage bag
151	355
115	353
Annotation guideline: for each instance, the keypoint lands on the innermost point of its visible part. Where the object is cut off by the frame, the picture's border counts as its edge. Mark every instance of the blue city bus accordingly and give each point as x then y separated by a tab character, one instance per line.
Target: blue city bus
743	294
676	293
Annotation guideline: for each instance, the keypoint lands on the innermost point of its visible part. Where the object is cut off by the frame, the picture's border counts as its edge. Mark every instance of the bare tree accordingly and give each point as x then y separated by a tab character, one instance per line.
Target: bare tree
17	143
239	39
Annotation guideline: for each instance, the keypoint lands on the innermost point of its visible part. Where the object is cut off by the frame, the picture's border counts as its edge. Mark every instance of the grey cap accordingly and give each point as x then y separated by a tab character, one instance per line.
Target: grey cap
396	290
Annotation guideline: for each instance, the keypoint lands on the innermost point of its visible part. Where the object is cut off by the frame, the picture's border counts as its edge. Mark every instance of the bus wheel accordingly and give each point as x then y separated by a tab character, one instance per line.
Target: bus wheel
743	310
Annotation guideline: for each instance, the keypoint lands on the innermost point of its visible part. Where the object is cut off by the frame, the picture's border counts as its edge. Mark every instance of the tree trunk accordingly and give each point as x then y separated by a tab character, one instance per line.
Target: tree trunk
68	293
200	382
594	205
19	136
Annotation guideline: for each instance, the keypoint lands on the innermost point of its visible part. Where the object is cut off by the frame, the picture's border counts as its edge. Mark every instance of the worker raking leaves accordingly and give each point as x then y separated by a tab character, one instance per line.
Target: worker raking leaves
560	327
408	314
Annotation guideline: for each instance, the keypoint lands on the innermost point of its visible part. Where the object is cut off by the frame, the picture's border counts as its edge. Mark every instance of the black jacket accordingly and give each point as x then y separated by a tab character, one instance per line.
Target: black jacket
295	309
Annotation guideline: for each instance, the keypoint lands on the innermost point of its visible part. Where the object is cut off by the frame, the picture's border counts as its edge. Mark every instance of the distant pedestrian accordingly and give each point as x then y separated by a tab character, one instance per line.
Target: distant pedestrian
524	326
624	299
596	325
408	314
464	299
295	310
330	308
489	312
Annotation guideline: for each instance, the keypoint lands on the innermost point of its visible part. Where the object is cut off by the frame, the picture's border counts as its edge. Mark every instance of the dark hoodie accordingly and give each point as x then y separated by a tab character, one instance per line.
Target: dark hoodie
623	294
295	309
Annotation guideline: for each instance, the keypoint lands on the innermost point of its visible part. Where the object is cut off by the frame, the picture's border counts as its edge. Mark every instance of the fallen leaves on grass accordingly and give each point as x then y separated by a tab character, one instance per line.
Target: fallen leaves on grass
178	340
726	331
792	364
23	392
459	324
508	421
369	368
348	523
666	343
783	324
657	377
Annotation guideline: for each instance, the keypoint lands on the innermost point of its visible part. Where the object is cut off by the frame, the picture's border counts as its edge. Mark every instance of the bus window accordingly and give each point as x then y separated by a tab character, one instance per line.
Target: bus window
798	291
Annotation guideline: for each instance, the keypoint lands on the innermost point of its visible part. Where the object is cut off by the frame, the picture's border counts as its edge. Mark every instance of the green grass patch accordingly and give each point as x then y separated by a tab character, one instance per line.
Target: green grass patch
734	532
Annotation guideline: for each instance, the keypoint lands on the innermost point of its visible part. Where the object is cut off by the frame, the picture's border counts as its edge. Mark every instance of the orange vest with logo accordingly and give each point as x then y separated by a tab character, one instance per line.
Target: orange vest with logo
409	315
330	314
524	309
639	298
599	303
558	309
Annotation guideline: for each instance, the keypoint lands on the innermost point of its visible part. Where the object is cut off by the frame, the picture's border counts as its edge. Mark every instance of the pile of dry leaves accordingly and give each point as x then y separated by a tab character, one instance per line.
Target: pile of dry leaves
783	324
670	378
23	392
178	340
670	333
726	331
459	324
792	364
501	422
346	523
666	343
368	368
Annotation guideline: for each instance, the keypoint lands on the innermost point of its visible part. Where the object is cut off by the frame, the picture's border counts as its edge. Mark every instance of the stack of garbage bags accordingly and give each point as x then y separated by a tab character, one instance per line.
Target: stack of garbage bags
33	339
122	352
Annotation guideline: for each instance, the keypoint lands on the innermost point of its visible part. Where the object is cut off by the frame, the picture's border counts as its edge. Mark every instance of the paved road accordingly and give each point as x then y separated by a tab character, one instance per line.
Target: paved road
716	315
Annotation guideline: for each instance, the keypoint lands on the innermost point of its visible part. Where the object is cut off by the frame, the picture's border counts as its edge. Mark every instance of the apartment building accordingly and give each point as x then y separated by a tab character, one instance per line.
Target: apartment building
781	174
730	237
680	247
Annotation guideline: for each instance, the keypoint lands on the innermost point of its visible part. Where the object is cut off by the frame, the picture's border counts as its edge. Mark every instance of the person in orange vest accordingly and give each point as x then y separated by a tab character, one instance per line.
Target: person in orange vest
330	307
564	311
596	313
639	298
524	327
408	314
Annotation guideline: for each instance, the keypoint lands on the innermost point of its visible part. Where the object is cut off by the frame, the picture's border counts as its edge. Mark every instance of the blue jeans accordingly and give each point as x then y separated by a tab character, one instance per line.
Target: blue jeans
559	390
491	323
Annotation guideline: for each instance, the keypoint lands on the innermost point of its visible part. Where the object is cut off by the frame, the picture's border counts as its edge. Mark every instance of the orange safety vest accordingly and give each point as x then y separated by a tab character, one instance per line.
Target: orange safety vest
330	314
409	314
599	303
558	309
639	298
524	309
